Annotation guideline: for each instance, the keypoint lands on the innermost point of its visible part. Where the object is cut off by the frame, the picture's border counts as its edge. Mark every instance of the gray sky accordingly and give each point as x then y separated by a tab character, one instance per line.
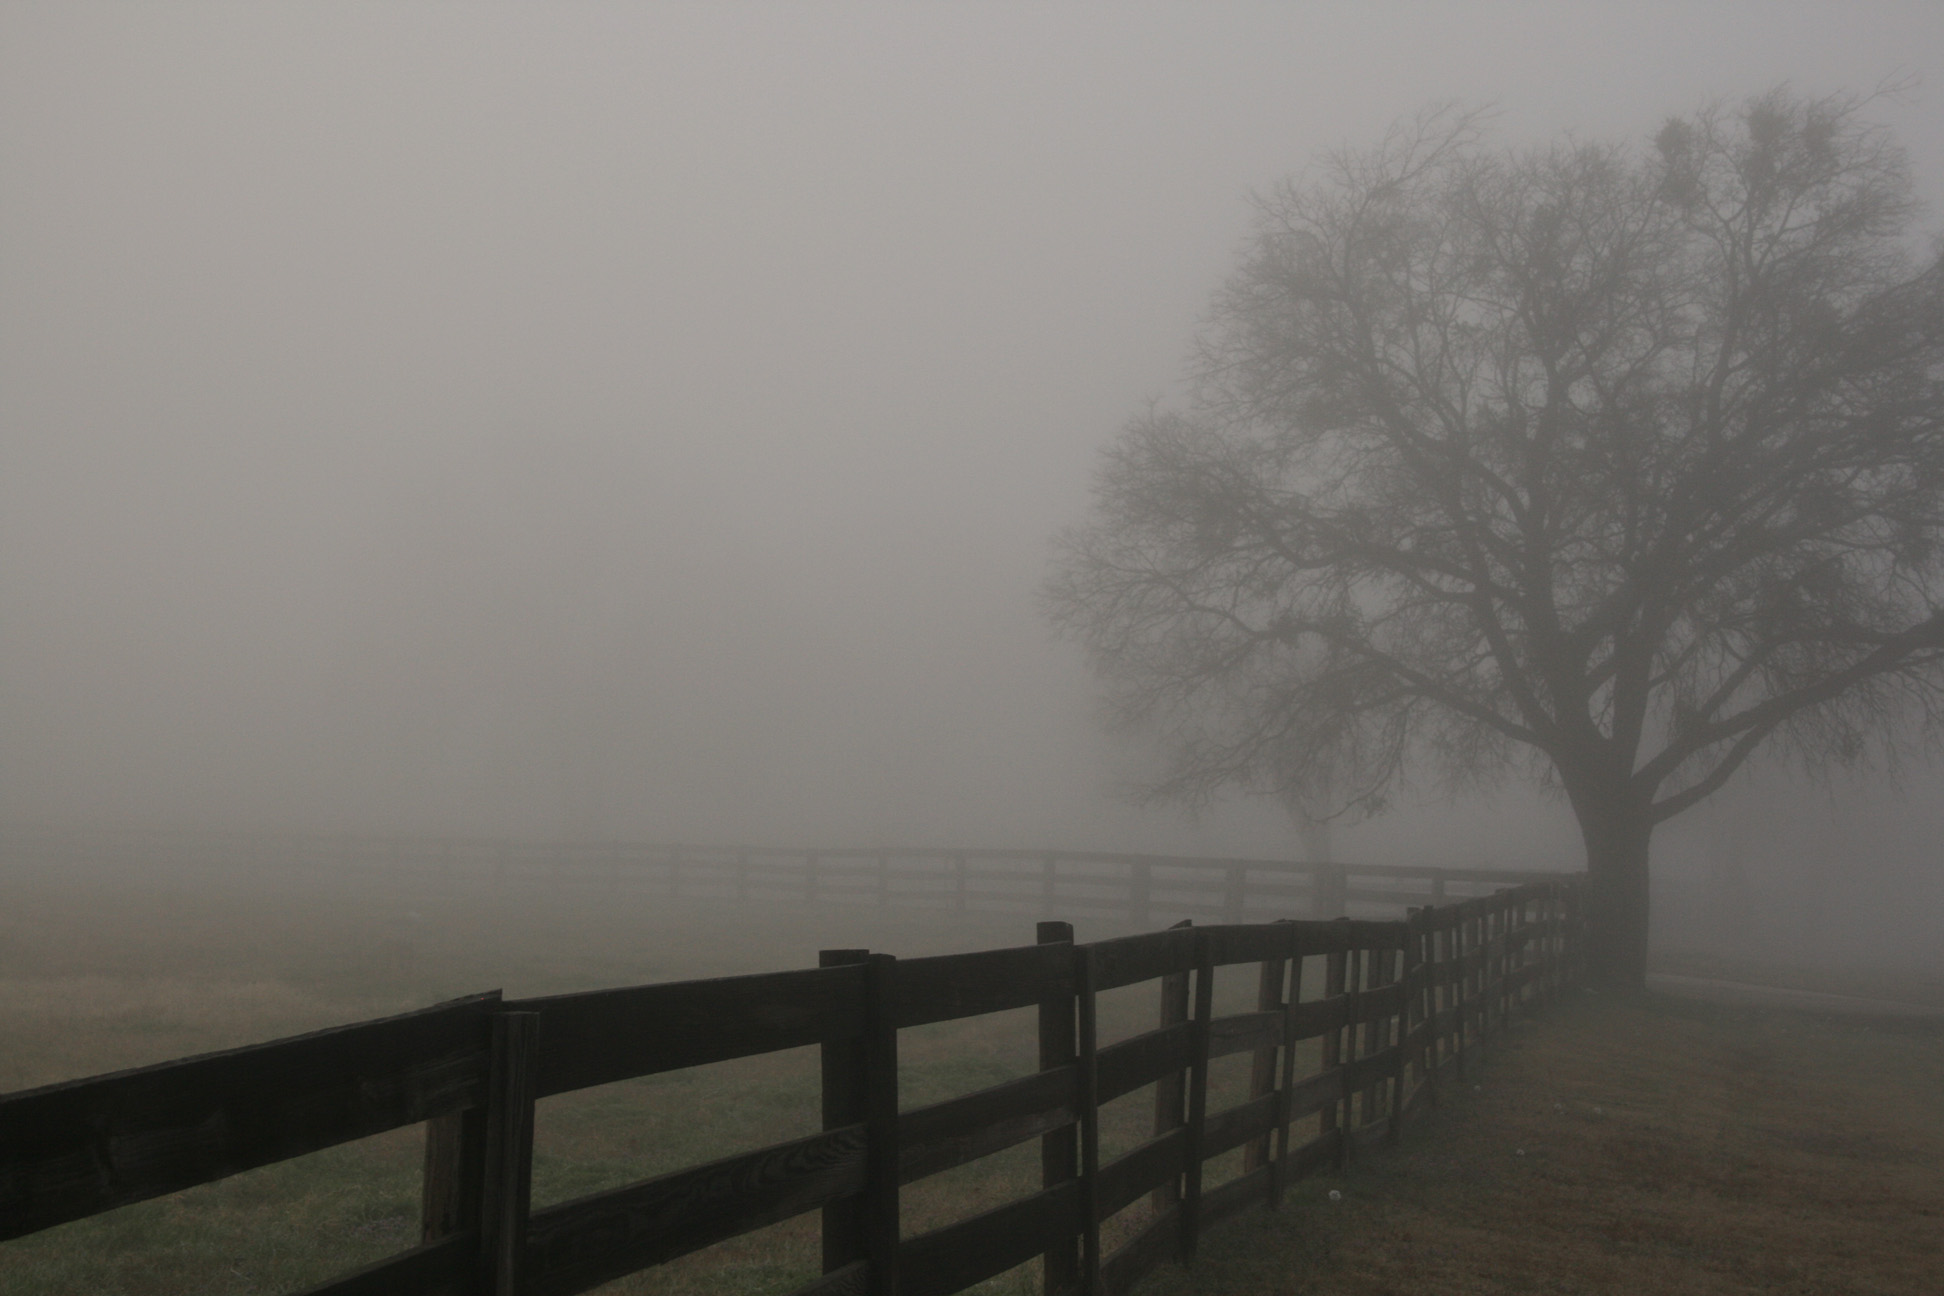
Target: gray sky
649	420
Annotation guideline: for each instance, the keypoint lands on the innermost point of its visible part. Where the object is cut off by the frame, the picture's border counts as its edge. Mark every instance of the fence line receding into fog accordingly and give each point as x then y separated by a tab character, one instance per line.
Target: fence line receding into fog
1401	1003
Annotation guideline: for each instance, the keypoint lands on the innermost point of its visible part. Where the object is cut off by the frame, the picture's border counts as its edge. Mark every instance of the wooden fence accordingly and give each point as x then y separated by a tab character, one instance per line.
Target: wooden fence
1141	890
1401	1004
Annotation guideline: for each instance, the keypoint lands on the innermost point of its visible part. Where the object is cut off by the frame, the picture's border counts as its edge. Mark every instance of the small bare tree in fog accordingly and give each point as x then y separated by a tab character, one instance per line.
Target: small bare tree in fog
1616	463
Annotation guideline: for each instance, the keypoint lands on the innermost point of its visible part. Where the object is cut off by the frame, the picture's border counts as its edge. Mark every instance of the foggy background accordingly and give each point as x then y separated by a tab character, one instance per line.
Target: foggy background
649	422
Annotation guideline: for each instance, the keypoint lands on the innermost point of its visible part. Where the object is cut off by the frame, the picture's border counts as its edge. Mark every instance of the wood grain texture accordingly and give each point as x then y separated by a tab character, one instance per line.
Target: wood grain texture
1315	1093
1059	1047
1126	960
1147	1167
1234	1126
76	1149
949	986
1244	1033
958	1130
1144	1059
580	1244
601	1036
1249	943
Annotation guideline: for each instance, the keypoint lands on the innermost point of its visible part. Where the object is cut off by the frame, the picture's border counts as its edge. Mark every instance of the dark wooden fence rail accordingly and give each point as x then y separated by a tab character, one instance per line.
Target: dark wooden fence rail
1142	890
1402	1002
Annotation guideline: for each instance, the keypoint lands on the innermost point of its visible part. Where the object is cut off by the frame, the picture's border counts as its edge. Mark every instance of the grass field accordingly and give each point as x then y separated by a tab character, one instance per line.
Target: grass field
1650	1146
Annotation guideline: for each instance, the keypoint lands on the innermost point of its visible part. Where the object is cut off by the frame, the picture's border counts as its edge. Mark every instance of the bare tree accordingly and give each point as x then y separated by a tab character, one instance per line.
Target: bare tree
1618	464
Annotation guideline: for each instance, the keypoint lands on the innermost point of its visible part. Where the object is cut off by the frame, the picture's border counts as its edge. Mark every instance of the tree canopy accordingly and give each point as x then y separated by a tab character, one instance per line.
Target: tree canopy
1626	461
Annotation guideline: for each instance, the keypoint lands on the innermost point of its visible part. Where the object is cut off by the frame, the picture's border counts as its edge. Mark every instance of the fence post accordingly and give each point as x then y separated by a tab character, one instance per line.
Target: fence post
1278	1169
1335	985
844	1065
1558	941
1376	1030
1262	1073
860	1086
1059	1149
1575	921
1086	976
1515	956
1481	990
1197	1097
1427	971
1528	977
880	1204
507	1188
455	1170
1407	1021
1170	1091
1501	968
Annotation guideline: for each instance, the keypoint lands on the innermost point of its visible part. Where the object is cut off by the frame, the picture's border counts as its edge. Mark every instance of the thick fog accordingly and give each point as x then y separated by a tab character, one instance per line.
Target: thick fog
649	421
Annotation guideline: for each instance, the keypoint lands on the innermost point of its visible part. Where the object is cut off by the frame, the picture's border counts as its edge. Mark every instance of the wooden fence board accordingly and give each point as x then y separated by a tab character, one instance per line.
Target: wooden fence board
1124	1179
1234	1126
1369	1069
1366	934
1243	1032
1127	1065
580	1244
1315	1093
1249	943
1377	1003
1126	960
85	1146
949	986
600	1036
958	1130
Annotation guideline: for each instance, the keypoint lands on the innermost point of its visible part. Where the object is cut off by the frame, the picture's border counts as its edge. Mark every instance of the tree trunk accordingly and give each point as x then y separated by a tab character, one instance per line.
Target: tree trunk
1616	832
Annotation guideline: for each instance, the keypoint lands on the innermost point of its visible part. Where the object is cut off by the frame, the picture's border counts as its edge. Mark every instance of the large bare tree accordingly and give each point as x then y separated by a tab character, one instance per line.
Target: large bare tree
1619	463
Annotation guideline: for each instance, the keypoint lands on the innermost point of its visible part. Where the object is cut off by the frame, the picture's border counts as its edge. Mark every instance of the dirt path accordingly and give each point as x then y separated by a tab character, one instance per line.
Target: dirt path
1652	1145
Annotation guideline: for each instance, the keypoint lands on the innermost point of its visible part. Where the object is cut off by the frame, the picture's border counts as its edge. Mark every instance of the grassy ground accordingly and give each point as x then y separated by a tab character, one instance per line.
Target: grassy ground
1651	1145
